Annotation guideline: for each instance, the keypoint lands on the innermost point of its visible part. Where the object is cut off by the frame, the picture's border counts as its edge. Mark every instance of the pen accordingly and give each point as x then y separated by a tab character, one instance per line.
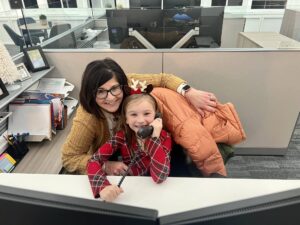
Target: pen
127	171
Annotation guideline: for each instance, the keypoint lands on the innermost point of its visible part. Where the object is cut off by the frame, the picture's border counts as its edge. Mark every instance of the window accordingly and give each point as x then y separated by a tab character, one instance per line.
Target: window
218	2
62	3
30	4
54	4
268	4
235	2
70	3
229	2
18	4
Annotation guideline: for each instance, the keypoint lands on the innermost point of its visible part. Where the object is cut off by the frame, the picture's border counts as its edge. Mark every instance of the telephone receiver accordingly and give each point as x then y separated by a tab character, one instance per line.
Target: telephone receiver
147	131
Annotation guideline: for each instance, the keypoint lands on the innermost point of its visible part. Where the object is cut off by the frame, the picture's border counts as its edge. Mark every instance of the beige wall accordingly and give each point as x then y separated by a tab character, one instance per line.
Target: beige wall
264	86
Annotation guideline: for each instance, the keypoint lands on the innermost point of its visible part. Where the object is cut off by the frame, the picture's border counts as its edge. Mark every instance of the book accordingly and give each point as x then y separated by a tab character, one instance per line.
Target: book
7	163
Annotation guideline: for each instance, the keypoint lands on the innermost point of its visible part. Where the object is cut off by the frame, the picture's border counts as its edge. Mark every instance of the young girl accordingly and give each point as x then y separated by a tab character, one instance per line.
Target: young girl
150	155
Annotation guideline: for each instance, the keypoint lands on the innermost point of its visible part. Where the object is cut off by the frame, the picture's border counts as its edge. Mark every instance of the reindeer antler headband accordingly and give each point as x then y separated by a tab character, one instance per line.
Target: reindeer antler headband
139	87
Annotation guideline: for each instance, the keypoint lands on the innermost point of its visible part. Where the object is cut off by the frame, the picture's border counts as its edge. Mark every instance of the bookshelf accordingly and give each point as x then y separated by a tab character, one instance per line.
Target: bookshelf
42	157
24	86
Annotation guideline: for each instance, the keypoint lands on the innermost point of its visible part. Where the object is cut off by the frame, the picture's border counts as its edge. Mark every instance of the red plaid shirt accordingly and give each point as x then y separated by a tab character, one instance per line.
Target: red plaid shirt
155	158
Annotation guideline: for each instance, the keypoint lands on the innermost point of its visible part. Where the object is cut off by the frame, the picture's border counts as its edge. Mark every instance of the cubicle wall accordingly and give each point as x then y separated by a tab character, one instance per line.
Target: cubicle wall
263	85
71	64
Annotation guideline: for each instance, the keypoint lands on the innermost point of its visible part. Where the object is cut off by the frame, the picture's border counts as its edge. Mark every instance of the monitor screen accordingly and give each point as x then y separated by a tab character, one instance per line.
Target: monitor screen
211	25
145	4
273	209
120	20
171	4
25	207
164	28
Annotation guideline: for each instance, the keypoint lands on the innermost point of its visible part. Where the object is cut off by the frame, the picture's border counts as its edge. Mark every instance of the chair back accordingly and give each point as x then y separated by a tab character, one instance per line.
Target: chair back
58	29
17	39
67	41
21	21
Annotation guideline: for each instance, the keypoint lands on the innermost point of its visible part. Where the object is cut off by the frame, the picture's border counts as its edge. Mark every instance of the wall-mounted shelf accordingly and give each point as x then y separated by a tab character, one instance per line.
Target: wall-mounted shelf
24	85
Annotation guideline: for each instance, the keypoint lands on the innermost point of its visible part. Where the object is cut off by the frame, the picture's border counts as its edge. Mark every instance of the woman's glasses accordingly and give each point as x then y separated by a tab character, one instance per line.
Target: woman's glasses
115	90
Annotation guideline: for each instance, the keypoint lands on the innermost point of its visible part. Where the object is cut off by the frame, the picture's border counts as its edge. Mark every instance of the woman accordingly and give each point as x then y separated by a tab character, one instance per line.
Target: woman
101	96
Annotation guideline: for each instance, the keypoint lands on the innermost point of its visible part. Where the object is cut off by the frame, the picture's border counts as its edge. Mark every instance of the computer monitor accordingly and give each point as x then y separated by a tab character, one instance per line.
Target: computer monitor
274	209
171	4
145	4
120	20
164	28
211	25
25	207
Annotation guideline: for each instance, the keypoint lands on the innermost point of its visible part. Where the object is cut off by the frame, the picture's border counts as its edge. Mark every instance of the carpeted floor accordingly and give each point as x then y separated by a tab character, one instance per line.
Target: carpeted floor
269	167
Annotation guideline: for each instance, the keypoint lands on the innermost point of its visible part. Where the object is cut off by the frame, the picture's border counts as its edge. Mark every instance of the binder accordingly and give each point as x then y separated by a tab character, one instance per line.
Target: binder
32	118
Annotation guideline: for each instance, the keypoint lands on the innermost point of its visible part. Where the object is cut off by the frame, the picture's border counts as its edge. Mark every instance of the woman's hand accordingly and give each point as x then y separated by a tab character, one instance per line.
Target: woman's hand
202	100
157	127
115	168
110	193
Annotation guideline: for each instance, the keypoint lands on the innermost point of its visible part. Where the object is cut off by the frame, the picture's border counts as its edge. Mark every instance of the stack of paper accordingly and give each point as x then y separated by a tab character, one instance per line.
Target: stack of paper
52	86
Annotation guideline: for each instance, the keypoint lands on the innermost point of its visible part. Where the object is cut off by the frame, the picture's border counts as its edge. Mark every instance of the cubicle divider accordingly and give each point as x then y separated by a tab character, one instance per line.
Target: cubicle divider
263	85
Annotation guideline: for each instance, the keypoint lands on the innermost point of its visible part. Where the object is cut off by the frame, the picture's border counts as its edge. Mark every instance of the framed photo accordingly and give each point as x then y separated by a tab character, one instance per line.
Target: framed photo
35	58
23	72
3	90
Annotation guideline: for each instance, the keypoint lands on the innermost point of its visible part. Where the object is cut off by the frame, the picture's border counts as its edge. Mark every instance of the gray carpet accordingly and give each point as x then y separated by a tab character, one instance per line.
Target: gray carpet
269	167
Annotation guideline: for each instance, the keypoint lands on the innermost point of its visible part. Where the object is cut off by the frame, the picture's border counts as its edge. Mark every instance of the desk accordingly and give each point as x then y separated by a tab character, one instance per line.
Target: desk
45	156
266	40
36	26
173	196
90	39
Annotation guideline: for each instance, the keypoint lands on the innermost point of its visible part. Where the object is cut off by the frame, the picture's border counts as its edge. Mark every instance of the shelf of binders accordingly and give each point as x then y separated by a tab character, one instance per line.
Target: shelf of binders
24	86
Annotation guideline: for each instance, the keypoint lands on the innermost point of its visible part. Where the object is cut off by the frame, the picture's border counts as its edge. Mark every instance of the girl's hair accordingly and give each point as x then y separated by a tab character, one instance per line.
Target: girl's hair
96	74
130	134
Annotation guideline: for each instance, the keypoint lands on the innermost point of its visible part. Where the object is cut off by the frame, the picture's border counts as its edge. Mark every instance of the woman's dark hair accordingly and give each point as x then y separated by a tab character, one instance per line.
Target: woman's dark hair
96	74
122	123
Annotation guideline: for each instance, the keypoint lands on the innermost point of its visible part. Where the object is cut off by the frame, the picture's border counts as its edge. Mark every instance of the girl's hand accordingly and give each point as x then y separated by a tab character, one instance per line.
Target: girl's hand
114	168
157	127
110	193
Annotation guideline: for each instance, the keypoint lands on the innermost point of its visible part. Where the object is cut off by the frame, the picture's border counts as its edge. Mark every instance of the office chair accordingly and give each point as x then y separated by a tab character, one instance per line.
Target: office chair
67	41
28	20
19	40
58	29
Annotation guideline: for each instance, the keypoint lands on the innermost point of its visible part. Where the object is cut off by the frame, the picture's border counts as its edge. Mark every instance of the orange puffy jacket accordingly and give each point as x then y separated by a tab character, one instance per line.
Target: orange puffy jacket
199	135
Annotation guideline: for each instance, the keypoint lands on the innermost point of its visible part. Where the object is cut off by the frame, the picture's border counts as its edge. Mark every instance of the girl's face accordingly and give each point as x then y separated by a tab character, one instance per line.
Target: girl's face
109	96
139	113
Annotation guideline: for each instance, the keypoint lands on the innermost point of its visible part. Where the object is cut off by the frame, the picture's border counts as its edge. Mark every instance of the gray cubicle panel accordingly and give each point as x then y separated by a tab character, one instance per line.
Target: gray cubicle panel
263	85
71	64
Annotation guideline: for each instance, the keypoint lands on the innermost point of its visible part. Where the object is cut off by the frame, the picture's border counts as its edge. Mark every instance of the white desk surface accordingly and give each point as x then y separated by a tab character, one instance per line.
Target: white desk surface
173	196
35	26
271	40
